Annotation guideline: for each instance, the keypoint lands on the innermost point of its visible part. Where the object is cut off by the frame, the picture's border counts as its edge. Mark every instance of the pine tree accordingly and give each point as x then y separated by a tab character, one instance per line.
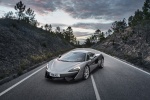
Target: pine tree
57	30
109	32
130	19
9	15
146	10
30	16
138	17
119	26
97	35
46	27
50	28
20	7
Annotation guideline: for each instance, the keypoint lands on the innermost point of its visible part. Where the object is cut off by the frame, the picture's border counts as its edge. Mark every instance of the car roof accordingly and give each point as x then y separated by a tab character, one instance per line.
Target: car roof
83	51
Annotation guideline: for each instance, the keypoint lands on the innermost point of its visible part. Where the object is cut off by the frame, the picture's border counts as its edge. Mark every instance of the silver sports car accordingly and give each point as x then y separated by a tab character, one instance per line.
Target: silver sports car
77	64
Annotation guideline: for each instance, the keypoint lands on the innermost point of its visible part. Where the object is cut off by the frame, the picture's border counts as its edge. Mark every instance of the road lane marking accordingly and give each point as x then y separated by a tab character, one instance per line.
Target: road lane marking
127	64
13	86
95	89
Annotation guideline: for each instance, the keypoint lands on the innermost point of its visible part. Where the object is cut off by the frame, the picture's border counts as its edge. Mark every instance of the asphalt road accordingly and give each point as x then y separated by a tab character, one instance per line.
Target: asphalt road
116	81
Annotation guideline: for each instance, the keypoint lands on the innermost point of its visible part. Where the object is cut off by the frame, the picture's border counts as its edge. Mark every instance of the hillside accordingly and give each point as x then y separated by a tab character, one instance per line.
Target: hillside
23	45
132	45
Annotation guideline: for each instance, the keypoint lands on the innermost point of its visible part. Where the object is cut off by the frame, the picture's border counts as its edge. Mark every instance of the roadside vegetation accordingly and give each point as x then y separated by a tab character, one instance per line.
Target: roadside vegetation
24	43
130	41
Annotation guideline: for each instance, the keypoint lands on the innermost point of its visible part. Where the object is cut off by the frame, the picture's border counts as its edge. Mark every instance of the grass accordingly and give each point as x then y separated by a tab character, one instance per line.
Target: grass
32	60
38	58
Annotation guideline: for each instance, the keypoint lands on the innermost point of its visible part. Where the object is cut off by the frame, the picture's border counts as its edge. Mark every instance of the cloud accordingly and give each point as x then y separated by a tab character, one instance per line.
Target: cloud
58	24
98	9
81	34
108	9
94	26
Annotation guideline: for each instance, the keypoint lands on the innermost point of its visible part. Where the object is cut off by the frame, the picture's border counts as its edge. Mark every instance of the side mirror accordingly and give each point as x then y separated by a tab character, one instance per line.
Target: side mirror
91	58
59	56
95	55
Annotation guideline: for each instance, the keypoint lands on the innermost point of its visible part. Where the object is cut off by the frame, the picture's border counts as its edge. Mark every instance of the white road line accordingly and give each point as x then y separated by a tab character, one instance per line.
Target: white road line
127	64
13	86
95	89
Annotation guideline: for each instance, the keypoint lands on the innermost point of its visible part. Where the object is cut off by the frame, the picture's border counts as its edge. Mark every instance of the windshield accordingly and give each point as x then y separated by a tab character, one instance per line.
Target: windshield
73	57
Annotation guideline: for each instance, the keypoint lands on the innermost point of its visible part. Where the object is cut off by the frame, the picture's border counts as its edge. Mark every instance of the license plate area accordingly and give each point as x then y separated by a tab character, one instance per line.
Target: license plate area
54	75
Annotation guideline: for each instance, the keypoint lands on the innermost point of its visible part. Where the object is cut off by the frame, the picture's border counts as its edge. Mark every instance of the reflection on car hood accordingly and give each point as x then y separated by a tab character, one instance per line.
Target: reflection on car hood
61	66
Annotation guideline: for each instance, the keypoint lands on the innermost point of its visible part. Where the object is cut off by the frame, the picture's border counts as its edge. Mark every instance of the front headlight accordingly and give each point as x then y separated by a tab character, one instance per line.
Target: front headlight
75	69
49	64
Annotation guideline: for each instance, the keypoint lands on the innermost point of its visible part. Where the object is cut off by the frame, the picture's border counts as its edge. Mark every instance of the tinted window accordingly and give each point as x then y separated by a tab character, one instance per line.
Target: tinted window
91	54
88	57
73	57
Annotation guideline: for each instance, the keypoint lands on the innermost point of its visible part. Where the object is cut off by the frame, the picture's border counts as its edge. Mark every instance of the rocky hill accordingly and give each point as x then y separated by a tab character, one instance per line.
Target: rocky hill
23	45
132	45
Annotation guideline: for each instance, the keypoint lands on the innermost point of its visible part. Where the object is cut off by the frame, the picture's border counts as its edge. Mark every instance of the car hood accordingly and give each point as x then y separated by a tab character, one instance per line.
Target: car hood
58	66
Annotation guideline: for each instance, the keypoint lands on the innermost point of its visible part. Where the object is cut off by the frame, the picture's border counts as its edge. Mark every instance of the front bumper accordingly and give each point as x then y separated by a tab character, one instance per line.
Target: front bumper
62	75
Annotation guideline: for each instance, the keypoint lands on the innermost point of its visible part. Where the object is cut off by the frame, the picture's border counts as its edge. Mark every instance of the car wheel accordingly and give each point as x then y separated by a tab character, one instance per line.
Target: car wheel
101	63
46	75
86	73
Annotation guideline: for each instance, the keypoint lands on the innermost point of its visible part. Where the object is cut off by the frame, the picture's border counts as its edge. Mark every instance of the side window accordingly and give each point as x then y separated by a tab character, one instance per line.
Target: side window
91	54
88	58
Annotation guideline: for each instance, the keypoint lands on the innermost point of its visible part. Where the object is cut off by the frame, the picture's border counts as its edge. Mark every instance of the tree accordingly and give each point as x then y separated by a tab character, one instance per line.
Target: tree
9	15
20	7
101	36
35	23
69	32
97	35
64	34
30	16
92	39
42	27
138	17
109	32
46	27
119	26
68	35
130	19
57	30
50	28
75	41
88	42
146	10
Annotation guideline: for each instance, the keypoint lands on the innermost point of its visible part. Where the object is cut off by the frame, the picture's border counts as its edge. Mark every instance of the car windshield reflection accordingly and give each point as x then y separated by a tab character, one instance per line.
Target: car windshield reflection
73	57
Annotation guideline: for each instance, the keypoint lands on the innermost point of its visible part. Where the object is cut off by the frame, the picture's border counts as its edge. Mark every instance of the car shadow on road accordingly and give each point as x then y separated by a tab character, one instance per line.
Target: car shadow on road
96	70
63	81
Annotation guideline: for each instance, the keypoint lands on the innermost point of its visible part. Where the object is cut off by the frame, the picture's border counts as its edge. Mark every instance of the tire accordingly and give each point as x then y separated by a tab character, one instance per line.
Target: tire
46	76
86	73
101	63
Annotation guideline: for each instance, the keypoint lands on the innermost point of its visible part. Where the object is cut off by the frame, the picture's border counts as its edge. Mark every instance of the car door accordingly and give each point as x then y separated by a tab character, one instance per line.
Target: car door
92	63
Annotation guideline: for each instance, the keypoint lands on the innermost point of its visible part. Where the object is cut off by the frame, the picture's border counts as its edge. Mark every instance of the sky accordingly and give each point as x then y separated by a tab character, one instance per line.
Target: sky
84	16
